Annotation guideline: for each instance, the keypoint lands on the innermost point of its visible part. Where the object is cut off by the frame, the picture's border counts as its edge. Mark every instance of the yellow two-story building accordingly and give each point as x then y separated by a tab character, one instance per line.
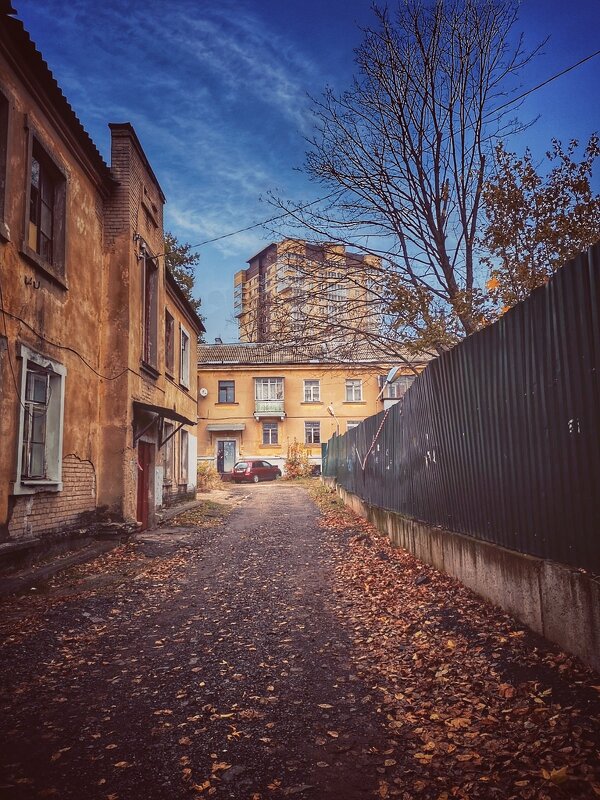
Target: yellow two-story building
255	399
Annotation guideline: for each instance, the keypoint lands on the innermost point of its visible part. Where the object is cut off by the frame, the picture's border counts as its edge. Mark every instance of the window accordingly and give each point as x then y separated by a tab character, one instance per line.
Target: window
46	213
337	293
312	432
312	391
398	388
169	343
183	456
352	423
226	392
150	311
184	362
269	388
169	429
270	433
39	459
353	391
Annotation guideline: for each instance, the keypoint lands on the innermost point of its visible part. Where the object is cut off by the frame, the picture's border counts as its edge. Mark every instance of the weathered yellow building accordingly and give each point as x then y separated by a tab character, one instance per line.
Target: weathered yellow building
85	393
255	399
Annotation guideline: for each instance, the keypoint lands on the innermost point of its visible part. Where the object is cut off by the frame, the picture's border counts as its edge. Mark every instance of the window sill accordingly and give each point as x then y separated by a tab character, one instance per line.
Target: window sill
184	387
151	371
233	403
48	269
312	403
269	446
33	487
355	402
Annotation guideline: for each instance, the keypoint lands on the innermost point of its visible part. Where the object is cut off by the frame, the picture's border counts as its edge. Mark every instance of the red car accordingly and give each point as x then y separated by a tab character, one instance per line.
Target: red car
255	470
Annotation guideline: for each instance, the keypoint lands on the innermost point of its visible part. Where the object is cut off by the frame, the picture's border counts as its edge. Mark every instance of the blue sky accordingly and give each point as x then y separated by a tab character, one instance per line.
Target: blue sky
217	91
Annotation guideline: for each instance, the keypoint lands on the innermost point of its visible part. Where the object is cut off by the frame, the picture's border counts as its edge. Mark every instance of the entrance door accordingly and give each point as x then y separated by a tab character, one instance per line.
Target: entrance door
145	451
225	456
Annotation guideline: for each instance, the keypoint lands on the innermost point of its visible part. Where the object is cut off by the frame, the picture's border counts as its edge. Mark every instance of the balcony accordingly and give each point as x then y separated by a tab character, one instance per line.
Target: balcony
269	408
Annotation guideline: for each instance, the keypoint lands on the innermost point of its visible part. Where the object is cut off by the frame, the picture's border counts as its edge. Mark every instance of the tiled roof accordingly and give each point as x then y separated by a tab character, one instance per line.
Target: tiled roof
30	59
285	353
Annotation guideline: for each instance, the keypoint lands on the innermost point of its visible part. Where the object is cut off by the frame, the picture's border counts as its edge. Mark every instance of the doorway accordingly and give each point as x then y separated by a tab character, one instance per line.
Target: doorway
144	465
225	455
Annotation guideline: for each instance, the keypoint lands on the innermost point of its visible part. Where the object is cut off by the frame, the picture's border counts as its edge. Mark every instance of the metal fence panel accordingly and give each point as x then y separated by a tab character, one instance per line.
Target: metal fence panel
499	438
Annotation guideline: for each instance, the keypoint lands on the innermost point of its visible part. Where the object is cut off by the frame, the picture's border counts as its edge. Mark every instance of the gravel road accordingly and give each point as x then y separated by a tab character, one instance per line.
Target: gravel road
193	663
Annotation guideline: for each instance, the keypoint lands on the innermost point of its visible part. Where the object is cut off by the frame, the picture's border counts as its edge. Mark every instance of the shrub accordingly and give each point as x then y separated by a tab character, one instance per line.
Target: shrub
208	477
297	464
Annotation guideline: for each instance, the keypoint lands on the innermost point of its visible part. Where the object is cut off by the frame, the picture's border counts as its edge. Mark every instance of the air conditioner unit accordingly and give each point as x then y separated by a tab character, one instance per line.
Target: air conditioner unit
203	392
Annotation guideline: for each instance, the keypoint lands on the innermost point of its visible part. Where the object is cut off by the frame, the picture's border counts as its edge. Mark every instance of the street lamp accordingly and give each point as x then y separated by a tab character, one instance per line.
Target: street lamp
331	411
388	379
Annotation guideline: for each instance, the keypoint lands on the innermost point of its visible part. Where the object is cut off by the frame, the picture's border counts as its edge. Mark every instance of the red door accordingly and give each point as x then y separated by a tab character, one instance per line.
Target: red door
143	487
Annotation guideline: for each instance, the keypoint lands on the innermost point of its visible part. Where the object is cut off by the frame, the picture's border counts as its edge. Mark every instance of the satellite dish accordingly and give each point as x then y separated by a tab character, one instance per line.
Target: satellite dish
203	392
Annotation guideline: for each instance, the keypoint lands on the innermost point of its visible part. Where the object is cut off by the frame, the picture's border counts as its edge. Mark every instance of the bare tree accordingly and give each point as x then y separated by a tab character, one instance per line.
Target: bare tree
404	153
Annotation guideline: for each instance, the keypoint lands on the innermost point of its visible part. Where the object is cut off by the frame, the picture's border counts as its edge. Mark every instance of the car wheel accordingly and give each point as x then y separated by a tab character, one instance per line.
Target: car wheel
255	479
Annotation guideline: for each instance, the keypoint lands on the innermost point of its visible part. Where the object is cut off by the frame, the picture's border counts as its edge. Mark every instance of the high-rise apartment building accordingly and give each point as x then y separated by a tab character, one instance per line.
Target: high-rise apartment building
295	290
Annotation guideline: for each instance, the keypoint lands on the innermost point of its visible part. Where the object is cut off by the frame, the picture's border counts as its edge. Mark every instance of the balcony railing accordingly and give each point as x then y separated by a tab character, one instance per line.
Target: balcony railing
269	408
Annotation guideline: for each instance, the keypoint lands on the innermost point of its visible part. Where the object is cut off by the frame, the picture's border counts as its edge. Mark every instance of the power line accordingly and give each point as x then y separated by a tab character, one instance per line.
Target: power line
326	197
544	83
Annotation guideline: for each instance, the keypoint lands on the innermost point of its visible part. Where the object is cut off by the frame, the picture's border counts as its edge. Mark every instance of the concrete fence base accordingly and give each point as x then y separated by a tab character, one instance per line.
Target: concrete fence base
558	602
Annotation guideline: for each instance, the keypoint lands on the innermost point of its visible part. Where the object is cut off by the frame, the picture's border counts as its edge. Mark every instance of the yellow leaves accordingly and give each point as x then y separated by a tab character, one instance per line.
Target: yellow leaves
384	790
201	787
493	283
333	734
506	690
324	705
425	758
185	740
451	644
390	762
556	776
274	785
122	764
220	766
458	722
322	764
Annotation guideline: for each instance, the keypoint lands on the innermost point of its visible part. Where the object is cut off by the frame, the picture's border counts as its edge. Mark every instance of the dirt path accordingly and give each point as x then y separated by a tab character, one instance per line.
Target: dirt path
226	673
283	653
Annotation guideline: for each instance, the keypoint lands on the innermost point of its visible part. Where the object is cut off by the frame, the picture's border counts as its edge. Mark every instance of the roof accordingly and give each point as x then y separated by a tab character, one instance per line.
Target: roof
29	63
242	353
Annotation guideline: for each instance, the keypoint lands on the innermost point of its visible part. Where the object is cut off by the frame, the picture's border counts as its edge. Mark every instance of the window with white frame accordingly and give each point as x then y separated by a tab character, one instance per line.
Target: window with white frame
268	388
353	390
169	429
183	456
270	432
352	423
39	457
184	362
312	391
312	432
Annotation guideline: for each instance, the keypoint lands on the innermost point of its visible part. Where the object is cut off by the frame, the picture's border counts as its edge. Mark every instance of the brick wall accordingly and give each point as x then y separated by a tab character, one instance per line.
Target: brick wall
54	512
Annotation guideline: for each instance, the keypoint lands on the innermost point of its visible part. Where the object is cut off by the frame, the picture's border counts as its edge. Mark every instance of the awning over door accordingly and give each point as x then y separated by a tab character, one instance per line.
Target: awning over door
160	414
163	411
215	427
